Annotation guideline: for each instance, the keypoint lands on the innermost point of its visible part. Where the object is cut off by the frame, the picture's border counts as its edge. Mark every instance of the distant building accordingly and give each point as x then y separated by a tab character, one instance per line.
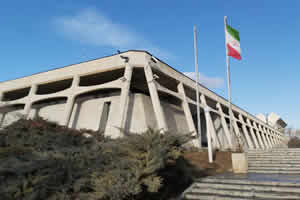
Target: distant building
273	119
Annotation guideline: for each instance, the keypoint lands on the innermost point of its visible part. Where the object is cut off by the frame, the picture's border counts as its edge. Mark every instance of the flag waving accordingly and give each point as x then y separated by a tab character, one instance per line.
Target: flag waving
233	42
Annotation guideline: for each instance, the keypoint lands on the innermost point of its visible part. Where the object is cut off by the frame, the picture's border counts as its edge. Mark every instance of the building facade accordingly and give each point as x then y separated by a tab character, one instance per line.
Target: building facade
131	92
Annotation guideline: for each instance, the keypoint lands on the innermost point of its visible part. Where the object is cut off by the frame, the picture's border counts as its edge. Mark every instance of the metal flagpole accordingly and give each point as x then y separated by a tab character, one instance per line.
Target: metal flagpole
228	82
197	89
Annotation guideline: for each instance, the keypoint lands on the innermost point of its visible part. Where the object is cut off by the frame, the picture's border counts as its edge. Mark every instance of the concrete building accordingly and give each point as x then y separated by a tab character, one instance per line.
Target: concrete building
130	92
273	119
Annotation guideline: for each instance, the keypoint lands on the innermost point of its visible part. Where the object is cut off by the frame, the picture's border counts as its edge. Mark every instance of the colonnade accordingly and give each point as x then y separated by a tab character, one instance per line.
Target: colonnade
253	133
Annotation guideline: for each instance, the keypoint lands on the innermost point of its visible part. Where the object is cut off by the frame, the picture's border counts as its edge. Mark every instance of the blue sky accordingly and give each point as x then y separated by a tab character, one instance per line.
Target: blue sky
37	36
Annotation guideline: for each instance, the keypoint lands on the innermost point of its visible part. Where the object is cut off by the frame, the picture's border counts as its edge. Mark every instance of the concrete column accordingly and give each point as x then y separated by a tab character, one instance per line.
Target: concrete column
253	134
271	137
278	138
124	98
188	116
224	125
264	137
28	105
70	101
275	137
249	141
211	127
237	132
2	114
267	136
259	136
158	111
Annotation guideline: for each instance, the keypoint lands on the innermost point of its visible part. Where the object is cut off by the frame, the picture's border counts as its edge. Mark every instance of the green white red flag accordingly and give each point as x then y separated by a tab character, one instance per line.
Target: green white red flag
233	43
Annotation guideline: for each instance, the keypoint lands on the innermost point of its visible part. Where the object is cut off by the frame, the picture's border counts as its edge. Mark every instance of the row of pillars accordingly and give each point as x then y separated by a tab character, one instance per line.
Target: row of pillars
264	137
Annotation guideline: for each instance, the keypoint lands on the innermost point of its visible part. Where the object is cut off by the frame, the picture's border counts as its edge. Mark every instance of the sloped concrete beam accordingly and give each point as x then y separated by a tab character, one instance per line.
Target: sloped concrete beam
224	125
249	141
257	146
28	105
70	101
124	98
259	136
188	116
158	111
211	127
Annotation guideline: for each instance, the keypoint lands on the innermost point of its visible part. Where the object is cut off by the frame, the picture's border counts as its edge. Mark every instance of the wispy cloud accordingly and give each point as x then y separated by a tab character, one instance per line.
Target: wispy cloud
209	82
92	27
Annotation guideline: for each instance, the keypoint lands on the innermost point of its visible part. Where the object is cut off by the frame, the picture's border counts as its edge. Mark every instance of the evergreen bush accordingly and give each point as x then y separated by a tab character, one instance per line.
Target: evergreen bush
42	160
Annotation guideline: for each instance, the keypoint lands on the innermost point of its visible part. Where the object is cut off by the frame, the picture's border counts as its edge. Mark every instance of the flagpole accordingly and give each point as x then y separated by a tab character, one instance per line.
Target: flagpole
197	89
228	81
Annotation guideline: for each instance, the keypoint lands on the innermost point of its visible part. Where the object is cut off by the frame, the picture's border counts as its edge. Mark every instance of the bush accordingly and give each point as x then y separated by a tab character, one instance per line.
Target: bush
294	142
41	160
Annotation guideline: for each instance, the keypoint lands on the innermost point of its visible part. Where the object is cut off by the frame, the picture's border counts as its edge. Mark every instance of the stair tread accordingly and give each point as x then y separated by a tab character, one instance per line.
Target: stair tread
243	193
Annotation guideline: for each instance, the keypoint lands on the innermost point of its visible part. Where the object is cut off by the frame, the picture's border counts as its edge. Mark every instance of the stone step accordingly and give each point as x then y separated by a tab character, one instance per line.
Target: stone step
251	164
241	193
248	187
275	157
271	154
281	159
273	171
192	196
247	182
281	168
273	150
274	161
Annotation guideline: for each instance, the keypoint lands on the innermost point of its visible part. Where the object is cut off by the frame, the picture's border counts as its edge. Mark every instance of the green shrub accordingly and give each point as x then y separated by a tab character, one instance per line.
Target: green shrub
41	160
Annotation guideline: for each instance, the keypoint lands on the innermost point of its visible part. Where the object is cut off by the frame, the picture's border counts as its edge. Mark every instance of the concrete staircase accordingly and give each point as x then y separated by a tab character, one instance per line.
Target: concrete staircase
272	174
232	188
275	161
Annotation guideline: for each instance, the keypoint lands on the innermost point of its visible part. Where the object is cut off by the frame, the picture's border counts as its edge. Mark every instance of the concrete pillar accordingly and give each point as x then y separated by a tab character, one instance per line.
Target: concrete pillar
238	133
2	114
211	127
252	134
188	116
270	136
273	137
264	137
70	101
260	136
278	138
158	111
124	98
267	136
224	125
28	105
249	141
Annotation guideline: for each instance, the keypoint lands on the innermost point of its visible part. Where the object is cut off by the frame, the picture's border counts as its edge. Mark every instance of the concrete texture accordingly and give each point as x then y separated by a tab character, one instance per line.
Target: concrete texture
239	162
130	92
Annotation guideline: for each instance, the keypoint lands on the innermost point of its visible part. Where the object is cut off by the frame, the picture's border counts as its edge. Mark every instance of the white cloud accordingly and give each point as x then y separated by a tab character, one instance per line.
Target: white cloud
92	27
209	82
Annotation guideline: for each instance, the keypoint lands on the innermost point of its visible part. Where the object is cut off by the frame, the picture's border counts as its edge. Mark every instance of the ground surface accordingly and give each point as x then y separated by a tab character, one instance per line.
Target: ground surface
222	162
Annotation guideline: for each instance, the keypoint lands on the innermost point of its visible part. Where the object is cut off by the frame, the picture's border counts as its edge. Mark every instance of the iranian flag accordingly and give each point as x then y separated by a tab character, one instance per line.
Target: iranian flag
233	42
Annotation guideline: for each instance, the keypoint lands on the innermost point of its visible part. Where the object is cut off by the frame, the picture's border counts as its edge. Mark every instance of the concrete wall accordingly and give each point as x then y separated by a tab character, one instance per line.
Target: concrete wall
161	98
